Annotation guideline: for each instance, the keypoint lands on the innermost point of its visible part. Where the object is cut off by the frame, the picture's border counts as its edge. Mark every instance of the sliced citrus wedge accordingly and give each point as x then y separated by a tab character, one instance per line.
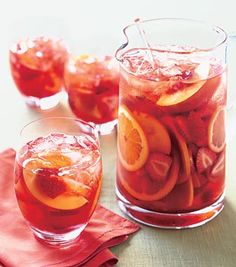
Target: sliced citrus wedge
189	97
146	193
157	136
179	96
56	159
216	130
169	122
66	200
132	142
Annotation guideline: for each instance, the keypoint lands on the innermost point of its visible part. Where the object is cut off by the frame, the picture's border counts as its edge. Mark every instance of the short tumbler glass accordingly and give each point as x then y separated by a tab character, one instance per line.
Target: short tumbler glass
92	84
58	175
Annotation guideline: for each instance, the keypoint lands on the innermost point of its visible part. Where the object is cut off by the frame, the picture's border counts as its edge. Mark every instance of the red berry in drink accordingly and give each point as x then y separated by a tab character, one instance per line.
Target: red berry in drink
49	182
158	166
205	159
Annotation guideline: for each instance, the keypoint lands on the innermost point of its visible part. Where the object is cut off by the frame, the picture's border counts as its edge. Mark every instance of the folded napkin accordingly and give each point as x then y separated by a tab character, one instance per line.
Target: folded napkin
19	248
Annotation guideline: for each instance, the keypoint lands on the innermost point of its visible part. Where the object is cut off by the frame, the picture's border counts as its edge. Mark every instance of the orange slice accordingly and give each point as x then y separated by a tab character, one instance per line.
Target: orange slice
132	142
56	159
184	154
216	130
157	136
162	191
179	96
183	148
71	199
201	74
190	97
190	195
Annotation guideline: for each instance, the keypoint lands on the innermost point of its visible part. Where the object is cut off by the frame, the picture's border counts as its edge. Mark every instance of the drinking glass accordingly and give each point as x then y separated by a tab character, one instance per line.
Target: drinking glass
58	174
92	84
37	57
171	123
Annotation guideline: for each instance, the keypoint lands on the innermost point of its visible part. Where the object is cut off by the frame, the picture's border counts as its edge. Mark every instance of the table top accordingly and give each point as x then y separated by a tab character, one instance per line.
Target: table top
213	244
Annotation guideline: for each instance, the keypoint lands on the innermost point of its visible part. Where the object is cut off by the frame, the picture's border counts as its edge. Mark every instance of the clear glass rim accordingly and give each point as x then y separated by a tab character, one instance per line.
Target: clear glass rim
211	26
89	124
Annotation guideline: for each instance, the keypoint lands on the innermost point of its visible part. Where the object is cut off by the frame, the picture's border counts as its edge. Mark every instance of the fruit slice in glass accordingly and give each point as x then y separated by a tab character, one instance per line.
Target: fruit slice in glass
37	67
92	85
58	178
172	102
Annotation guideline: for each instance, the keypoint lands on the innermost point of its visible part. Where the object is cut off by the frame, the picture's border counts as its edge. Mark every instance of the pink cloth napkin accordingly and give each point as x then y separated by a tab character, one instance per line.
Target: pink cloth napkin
19	248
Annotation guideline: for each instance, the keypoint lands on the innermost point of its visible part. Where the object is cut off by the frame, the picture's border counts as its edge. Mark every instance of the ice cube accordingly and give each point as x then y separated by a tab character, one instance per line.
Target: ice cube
39	144
171	70
86	141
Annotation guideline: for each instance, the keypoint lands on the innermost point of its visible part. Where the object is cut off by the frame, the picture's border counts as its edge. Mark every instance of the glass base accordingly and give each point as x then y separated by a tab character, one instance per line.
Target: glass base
43	103
57	240
106	128
170	220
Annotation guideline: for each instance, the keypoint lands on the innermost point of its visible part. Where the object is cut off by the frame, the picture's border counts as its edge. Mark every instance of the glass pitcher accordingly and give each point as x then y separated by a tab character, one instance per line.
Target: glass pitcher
171	125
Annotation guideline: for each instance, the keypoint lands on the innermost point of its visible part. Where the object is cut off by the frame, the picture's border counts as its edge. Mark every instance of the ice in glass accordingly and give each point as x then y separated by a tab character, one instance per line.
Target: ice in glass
171	135
92	85
37	67
57	184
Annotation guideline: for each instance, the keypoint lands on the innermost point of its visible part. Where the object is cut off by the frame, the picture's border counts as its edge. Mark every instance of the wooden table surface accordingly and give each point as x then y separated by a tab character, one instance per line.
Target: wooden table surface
213	244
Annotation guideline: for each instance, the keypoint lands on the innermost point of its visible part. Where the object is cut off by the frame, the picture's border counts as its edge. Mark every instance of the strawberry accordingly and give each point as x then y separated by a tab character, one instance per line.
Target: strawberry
205	159
157	166
198	129
49	183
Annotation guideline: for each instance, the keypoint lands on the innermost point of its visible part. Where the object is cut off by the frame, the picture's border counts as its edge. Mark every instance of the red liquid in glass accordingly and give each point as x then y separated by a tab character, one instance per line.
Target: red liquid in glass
58	181
92	87
171	138
37	66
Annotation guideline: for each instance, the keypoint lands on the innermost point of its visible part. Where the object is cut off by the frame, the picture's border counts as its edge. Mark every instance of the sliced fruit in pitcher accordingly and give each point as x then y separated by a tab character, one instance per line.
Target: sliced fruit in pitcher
218	170
181	123
205	159
140	186
189	97
143	105
197	125
169	122
216	130
157	136
50	189
180	95
132	142
158	166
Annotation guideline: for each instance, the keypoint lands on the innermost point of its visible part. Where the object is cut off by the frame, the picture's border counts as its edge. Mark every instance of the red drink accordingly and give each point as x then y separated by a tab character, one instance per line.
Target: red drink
58	181
37	67
92	87
171	138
